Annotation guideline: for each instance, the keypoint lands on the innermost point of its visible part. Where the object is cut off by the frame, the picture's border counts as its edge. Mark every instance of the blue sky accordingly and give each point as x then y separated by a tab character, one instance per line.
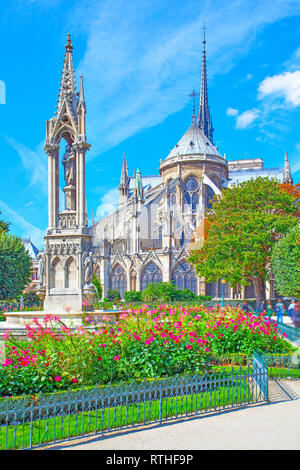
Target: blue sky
140	60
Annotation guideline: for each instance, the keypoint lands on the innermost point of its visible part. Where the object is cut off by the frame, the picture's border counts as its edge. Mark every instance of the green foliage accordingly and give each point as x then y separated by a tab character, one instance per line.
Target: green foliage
113	295
15	266
285	263
160	291
97	284
144	343
185	294
244	224
168	292
4	226
30	298
133	296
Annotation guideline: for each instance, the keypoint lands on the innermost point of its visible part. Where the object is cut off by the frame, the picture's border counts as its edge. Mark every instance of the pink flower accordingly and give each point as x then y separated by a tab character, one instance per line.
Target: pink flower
57	378
116	358
74	381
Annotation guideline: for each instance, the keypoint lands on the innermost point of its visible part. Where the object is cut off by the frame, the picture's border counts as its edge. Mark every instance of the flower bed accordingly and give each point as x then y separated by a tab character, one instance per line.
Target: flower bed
144	343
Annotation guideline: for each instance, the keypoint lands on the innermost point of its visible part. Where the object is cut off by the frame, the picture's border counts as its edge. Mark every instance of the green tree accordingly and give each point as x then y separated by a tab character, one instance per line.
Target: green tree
4	226
242	227
286	263
15	266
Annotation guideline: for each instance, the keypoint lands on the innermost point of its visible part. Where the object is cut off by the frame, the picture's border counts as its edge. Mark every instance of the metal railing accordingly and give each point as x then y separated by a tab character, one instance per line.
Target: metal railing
292	332
30	422
283	366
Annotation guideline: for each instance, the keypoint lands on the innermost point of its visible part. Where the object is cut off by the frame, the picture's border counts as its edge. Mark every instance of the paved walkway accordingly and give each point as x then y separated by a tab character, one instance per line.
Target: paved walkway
274	426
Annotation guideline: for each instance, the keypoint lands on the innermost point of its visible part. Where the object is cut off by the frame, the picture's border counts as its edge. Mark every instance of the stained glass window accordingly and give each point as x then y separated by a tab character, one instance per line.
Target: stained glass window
184	277
151	273
119	280
191	196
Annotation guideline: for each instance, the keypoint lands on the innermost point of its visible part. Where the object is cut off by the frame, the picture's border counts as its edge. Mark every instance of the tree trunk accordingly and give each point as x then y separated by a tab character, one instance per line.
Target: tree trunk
259	290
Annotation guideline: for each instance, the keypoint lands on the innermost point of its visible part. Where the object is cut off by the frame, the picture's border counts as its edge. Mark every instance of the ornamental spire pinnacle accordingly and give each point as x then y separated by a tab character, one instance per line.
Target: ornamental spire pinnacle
67	92
204	117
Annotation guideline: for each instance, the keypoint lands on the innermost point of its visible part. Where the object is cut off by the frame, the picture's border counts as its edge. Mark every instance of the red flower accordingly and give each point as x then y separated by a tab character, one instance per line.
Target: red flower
99	358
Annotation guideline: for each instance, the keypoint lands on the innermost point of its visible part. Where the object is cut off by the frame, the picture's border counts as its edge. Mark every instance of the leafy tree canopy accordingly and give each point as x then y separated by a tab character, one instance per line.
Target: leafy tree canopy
15	266
286	263
242	227
4	226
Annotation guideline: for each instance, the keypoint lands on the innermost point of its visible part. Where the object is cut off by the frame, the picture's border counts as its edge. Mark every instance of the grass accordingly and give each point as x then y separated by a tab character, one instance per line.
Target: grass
83	423
283	372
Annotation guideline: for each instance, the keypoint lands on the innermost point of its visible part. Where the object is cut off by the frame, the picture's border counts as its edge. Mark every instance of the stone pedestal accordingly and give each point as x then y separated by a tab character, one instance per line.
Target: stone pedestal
58	300
89	295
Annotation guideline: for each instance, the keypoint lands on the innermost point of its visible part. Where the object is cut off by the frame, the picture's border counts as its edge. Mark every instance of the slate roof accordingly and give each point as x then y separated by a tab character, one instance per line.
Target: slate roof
194	142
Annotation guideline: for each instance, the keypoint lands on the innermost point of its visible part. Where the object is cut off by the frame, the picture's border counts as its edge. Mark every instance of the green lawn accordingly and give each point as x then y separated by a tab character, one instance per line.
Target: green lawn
105	419
282	372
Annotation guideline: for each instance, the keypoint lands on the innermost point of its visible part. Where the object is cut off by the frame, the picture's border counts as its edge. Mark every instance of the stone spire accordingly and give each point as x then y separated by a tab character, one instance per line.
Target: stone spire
204	116
124	172
81	100
67	92
287	176
124	183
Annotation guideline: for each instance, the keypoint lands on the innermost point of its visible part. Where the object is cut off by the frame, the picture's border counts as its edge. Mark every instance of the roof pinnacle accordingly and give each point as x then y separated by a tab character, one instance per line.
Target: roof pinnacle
69	46
193	96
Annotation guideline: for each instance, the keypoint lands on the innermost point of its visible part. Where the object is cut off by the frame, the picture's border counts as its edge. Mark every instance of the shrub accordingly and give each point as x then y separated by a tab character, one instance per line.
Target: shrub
133	296
145	343
113	295
185	294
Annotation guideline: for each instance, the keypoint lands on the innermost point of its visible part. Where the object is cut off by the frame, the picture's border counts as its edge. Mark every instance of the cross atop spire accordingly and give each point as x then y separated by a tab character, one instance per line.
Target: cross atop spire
204	117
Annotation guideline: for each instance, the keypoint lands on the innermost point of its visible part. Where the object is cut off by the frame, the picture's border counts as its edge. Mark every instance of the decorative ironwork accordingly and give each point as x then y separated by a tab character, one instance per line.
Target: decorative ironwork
29	422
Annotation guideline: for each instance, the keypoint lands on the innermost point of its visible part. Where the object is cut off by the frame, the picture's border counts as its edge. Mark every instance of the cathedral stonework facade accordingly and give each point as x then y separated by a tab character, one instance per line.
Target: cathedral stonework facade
148	238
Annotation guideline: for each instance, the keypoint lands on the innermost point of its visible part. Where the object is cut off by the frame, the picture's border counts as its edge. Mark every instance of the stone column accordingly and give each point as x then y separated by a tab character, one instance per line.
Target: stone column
53	185
80	149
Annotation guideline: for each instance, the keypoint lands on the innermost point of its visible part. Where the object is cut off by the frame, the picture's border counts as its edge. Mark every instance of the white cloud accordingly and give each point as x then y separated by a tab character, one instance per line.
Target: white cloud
28	230
245	119
141	63
35	165
232	112
285	85
109	203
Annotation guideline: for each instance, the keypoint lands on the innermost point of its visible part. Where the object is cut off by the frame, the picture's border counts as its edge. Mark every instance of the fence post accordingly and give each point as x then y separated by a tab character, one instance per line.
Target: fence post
31	426
160	402
260	375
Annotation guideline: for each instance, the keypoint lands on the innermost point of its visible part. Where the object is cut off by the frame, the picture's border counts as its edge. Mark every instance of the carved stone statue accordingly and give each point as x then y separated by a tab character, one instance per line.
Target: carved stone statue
41	269
88	268
69	165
